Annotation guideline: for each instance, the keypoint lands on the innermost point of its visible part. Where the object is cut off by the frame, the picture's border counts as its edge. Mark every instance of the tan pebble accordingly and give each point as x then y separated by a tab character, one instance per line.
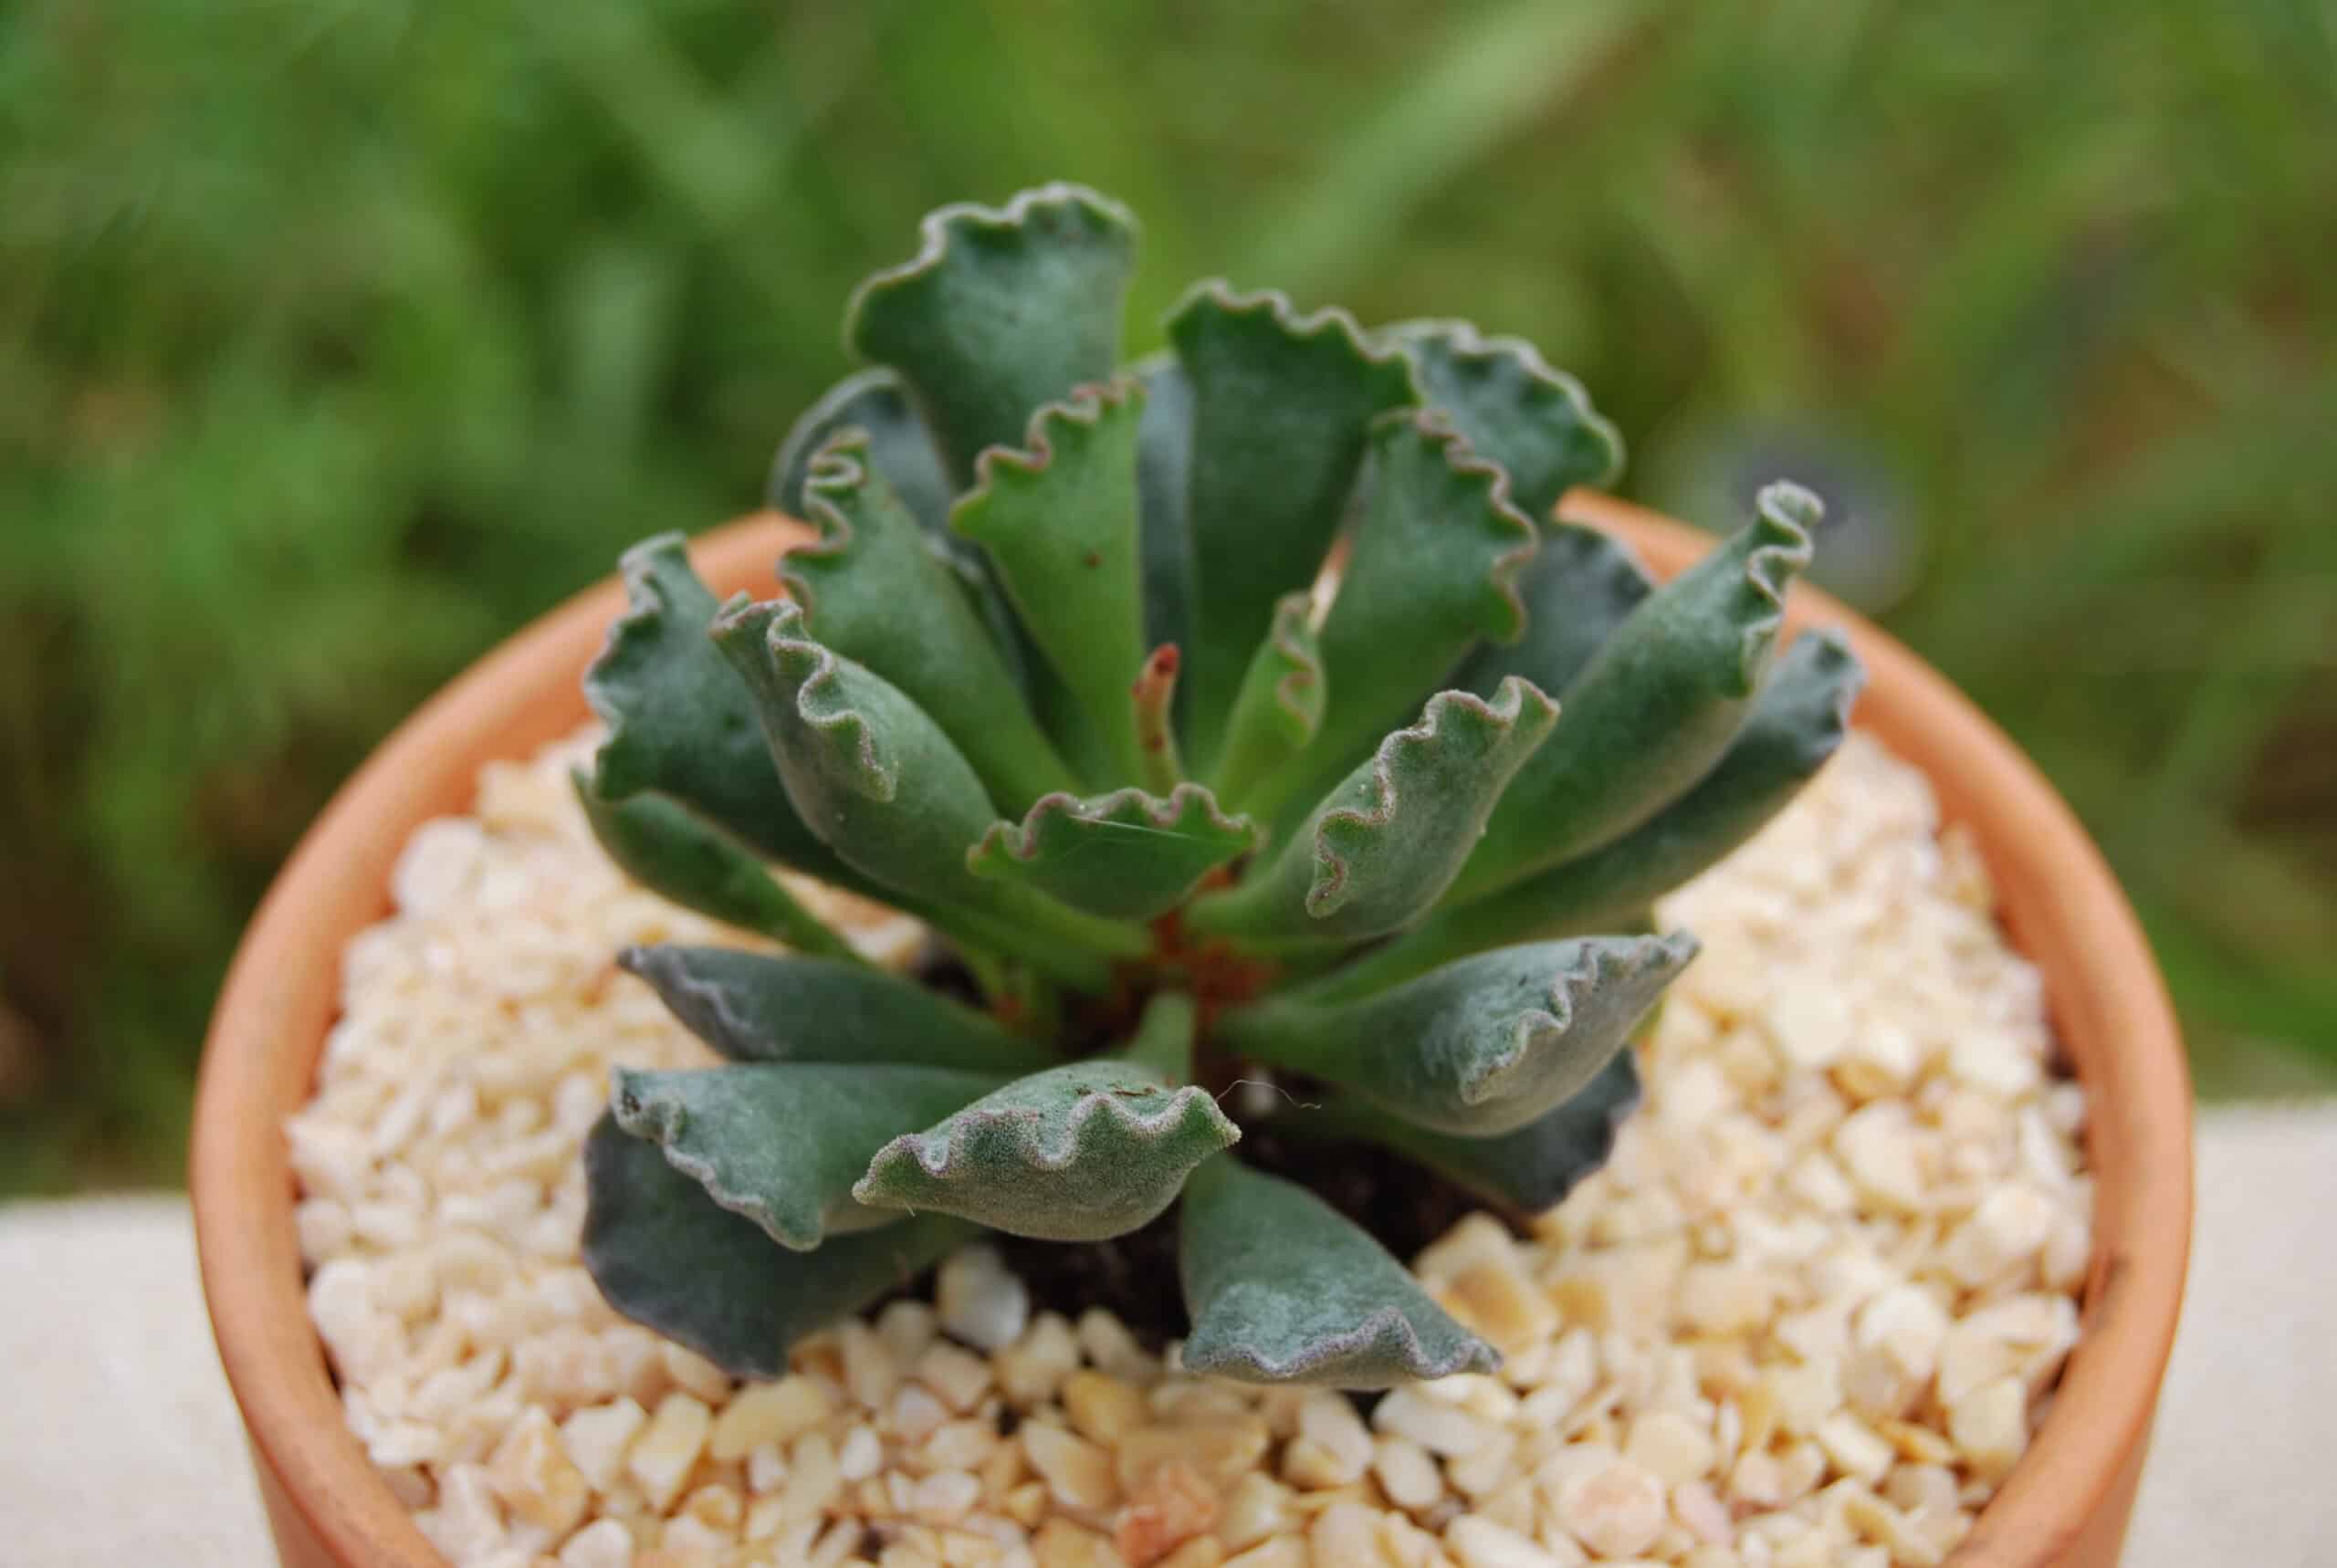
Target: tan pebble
1671	1445
603	1544
1877	1144
1102	1408
915	1413
1282	1551
1346	1533
1990	1426
869	1370
1060	1543
1256	1508
1406	1474
1109	1347
860	1455
1496	1300
1435	1426
980	1301
1854	1448
908	1329
1700	1511
959	1445
1803	1396
660	1460
1800	1470
1479	1543
1712	1557
1221	1448
1035	1366
1473	1239
1077	1472
764	1516
1724	1298
693	1373
1884	1525
813	1479
1617	1510
1201	1551
1907	1325
2010	1228
944	1497
763	1413
1758	1479
533	1475
1174	1504
1025	1504
960	1377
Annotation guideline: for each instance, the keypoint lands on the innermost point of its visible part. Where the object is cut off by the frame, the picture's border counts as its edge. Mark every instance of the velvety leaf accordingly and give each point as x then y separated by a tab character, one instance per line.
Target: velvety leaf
679	721
1280	406
782	1145
1483	1045
760	1007
874	403
667	1256
867	768
1657	706
1581	586
679	855
1388	842
1163	455
1434	569
1535	421
1127	855
1079	1153
857	586
1282	1288
1278	708
1059	520
1795	724
1000	311
1524	1172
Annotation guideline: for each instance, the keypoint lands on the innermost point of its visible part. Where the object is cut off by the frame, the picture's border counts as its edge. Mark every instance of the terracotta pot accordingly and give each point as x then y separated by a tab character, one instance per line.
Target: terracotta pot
2065	1504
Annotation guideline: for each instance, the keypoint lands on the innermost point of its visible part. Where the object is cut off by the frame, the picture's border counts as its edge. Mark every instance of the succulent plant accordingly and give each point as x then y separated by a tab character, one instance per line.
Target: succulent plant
1065	676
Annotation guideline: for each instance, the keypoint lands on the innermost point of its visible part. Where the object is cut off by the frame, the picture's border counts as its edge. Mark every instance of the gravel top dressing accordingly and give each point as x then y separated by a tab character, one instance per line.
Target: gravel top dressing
1805	1317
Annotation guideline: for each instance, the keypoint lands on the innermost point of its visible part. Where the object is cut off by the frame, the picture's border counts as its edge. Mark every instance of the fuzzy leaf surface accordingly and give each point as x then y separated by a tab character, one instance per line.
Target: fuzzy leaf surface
766	1008
875	402
1000	310
1434	570
1089	1150
1059	518
1535	421
679	722
667	1256
1482	1046
1278	708
898	802
1796	724
1282	404
1658	704
1578	589
1127	855
857	584
782	1145
1164	450
1383	847
679	855
1528	1171
1282	1288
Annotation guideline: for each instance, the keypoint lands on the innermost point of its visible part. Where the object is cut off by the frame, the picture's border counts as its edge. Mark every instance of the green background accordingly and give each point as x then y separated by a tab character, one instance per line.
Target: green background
337	337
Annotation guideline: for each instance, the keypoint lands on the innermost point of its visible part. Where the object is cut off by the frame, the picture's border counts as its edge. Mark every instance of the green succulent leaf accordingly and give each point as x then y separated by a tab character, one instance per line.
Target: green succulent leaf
1080	1153
760	1007
895	798
679	855
1435	567
1000	311
1384	846
1282	1288
679	722
1127	855
1482	1046
667	1256
782	1145
1796	724
1059	519
1278	708
871	563
1164	445
874	403
1657	706
1523	1173
1578	589
1535	421
1282	404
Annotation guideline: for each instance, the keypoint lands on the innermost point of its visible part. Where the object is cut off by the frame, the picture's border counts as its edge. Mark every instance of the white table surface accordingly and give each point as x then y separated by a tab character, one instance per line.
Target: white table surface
118	1444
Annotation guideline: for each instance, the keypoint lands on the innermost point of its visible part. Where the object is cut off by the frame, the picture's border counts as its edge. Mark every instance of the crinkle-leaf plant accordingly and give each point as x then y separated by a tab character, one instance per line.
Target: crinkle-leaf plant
1069	674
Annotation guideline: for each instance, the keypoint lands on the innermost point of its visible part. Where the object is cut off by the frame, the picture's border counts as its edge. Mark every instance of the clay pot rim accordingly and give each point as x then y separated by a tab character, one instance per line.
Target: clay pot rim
2068	916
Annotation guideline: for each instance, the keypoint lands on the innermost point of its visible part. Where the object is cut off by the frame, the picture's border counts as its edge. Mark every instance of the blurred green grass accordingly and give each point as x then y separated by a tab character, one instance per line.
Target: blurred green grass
337	338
